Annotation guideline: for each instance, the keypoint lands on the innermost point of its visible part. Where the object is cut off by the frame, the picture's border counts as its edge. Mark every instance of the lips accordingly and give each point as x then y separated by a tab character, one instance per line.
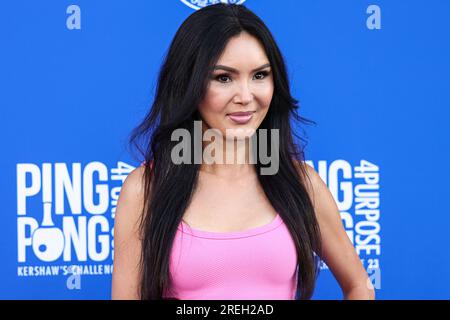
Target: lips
241	113
241	117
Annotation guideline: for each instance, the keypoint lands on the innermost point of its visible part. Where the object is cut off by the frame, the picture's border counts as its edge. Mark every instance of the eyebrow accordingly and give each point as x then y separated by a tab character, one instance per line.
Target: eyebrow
229	69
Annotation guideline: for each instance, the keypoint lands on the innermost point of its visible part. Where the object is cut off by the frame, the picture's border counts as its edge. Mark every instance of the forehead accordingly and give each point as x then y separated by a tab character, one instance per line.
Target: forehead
243	52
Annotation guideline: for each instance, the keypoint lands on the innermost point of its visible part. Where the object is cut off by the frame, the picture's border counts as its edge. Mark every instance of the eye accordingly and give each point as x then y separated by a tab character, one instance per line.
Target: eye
224	76
221	78
263	73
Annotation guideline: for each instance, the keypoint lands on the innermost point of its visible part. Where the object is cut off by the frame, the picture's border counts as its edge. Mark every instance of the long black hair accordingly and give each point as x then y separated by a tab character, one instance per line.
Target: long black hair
182	82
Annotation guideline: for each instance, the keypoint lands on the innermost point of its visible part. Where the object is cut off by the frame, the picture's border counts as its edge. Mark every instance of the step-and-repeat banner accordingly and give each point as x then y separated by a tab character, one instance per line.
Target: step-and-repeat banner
77	76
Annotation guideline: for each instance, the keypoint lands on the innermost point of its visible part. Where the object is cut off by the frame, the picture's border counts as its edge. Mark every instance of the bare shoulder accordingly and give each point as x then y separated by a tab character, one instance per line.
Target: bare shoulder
312	180
127	240
131	198
134	183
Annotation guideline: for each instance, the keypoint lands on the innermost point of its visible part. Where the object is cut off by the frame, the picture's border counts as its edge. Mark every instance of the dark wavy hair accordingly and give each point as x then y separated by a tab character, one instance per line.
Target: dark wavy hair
182	82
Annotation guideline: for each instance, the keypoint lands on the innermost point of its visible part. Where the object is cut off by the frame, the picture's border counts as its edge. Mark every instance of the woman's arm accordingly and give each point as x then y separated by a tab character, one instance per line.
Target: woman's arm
127	245
337	250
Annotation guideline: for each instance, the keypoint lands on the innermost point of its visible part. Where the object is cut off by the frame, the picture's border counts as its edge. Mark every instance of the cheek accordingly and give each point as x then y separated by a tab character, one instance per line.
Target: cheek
265	96
213	107
268	99
215	101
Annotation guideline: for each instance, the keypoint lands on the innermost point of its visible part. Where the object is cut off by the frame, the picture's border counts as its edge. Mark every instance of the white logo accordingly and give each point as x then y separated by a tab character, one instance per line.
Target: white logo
198	4
356	190
70	225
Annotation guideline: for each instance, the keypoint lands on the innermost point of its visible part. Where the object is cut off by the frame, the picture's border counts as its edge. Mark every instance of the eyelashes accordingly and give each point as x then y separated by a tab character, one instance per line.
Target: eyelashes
220	77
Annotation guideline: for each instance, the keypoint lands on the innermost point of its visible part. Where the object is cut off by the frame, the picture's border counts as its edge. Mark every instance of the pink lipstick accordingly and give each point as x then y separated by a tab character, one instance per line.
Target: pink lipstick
241	117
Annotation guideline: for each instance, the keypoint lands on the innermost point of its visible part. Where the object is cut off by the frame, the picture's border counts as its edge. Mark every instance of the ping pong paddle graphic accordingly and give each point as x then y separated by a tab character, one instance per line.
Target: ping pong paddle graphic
48	241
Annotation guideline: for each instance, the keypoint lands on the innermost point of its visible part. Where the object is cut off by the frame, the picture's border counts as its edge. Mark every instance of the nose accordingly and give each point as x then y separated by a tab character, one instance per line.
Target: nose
244	95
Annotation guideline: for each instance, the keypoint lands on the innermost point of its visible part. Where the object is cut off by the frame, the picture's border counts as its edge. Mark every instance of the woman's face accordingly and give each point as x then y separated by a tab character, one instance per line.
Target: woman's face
240	82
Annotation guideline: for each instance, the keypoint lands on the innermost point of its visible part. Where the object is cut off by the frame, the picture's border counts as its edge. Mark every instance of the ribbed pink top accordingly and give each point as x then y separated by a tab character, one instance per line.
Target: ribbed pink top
258	263
255	264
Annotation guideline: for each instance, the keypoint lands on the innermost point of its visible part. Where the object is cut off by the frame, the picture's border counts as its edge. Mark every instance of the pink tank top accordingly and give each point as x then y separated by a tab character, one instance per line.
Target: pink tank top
258	263
255	264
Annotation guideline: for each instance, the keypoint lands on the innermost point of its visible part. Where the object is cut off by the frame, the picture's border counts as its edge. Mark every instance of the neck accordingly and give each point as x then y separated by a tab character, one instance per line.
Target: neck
228	157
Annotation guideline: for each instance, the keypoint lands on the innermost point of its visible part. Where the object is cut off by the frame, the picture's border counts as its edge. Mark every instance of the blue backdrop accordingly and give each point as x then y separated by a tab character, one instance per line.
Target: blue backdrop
77	76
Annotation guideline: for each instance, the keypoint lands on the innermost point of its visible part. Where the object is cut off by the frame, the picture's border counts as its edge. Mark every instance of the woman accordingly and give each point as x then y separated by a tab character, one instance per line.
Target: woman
189	230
